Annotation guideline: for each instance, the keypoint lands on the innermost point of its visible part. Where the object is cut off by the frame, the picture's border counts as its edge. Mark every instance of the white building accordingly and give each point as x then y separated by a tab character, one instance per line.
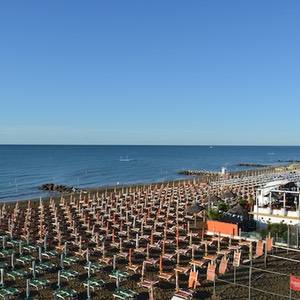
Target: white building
277	202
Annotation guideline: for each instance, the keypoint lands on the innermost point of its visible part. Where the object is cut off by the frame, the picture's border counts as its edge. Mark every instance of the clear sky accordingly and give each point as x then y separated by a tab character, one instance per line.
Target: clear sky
196	72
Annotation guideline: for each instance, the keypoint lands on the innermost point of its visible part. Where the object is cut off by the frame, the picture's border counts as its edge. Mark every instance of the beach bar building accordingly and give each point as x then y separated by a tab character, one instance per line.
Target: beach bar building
277	202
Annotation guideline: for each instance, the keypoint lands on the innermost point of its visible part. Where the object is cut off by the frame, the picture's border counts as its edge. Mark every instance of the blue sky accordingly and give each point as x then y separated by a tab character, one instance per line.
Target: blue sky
150	72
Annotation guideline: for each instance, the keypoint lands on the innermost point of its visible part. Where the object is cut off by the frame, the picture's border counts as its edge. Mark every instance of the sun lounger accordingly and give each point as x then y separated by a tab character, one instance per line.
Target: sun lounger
17	274
198	263
70	260
106	260
69	274
125	294
166	276
39	283
49	254
94	284
66	294
148	283
122	275
94	267
25	259
81	253
6	252
123	255
8	292
183	270
169	256
184	294
134	268
42	267
29	248
14	242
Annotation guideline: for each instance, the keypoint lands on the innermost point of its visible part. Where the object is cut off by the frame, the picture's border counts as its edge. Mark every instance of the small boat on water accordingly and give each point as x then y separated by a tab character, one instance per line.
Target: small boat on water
125	159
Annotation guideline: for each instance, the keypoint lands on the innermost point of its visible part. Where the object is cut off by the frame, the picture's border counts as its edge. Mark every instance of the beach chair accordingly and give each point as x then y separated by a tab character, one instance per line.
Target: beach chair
29	248
69	274
13	242
49	254
125	294
133	268
95	284
193	280
17	274
70	260
66	294
183	270
94	267
211	272
259	251
6	252
166	276
236	259
81	253
24	259
9	292
184	294
3	265
39	283
122	275
223	266
148	283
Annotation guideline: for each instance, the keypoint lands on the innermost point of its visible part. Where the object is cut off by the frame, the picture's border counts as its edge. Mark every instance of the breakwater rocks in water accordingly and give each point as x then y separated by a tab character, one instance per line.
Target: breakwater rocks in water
58	188
198	173
253	165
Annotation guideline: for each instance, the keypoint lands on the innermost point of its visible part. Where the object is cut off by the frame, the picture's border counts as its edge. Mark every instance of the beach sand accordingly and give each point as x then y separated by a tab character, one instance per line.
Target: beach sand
151	208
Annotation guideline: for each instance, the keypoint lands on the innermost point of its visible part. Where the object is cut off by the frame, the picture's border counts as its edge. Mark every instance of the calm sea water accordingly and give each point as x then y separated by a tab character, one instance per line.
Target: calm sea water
24	168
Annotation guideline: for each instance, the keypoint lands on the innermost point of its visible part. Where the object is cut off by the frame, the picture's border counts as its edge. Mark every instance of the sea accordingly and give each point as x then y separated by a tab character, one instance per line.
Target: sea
23	168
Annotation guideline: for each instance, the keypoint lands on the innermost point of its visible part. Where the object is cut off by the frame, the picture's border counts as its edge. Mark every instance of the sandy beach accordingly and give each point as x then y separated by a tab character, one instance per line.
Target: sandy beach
134	233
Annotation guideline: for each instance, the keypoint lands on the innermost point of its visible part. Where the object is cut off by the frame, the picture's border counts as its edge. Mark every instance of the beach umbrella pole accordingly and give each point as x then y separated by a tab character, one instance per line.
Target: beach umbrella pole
214	291
234	274
58	279
250	274
88	291
33	268
89	270
62	260
2	277
27	288
40	254
13	261
45	242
